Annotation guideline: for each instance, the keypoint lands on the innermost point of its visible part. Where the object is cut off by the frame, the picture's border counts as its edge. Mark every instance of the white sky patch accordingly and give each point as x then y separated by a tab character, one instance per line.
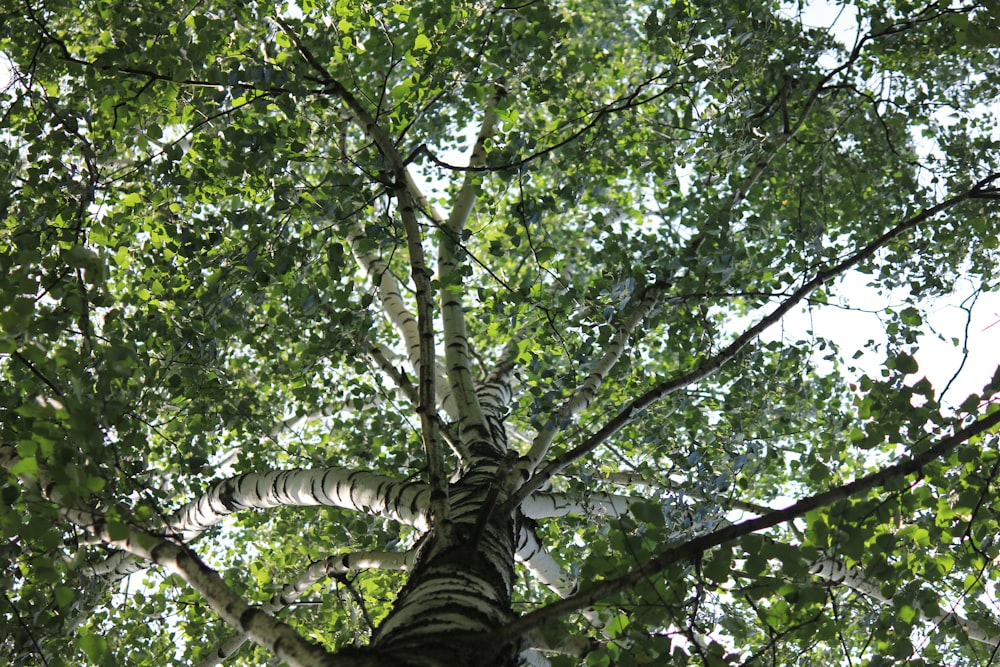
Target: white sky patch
841	21
6	72
859	319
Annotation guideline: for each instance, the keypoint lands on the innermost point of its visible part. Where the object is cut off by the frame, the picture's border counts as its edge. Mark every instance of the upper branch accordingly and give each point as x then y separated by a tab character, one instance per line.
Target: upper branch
402	188
727	354
456	343
587	391
693	548
389	295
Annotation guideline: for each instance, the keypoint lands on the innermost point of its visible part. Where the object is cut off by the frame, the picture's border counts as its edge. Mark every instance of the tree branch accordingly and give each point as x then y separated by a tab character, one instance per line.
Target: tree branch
389	295
263	629
379	356
278	637
582	396
834	571
401	188
554	505
714	363
334	566
697	546
456	343
357	490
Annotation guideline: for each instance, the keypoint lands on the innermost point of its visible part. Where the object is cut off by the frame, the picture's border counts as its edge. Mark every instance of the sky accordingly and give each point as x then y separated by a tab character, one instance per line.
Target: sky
961	315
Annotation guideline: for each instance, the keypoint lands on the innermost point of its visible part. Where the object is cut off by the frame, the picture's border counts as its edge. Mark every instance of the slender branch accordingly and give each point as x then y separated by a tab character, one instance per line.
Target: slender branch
263	629
402	190
637	479
37	373
379	356
334	566
581	398
389	294
834	571
695	547
456	343
554	505
294	422
26	628
727	354
631	99
765	160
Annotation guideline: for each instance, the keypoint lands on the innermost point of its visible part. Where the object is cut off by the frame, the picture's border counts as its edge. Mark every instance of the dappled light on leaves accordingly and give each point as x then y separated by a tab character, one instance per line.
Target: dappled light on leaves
468	333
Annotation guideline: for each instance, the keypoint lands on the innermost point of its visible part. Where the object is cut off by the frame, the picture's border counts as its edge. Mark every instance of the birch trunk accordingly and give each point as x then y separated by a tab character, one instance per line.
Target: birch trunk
460	587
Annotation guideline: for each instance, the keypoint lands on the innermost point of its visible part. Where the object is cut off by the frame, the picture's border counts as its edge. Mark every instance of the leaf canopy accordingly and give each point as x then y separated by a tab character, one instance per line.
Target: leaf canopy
185	201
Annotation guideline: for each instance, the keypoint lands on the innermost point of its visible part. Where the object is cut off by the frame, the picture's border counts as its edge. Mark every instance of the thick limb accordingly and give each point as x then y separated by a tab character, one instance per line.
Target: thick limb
357	490
539	562
362	491
180	560
533	555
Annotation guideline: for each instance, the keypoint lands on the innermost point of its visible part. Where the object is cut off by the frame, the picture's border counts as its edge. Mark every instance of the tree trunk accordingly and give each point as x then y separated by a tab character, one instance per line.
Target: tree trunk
460	588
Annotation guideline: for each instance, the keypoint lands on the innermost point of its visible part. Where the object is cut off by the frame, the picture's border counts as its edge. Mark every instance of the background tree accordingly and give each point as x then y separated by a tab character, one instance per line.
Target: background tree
247	267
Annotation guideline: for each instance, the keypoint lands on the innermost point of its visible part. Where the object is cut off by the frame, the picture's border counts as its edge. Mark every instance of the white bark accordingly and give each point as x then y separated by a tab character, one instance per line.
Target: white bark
456	344
836	572
554	505
533	555
583	395
357	490
539	562
317	571
389	295
458	588
362	491
395	310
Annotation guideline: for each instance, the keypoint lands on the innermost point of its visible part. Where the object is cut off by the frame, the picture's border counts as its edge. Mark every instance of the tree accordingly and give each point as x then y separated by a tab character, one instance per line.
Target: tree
280	362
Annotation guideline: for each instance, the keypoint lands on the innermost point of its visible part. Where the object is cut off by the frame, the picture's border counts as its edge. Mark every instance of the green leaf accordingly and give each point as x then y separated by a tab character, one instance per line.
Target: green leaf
64	596
93	646
117	530
26	466
650	513
422	43
131	199
719	567
906	364
617	625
